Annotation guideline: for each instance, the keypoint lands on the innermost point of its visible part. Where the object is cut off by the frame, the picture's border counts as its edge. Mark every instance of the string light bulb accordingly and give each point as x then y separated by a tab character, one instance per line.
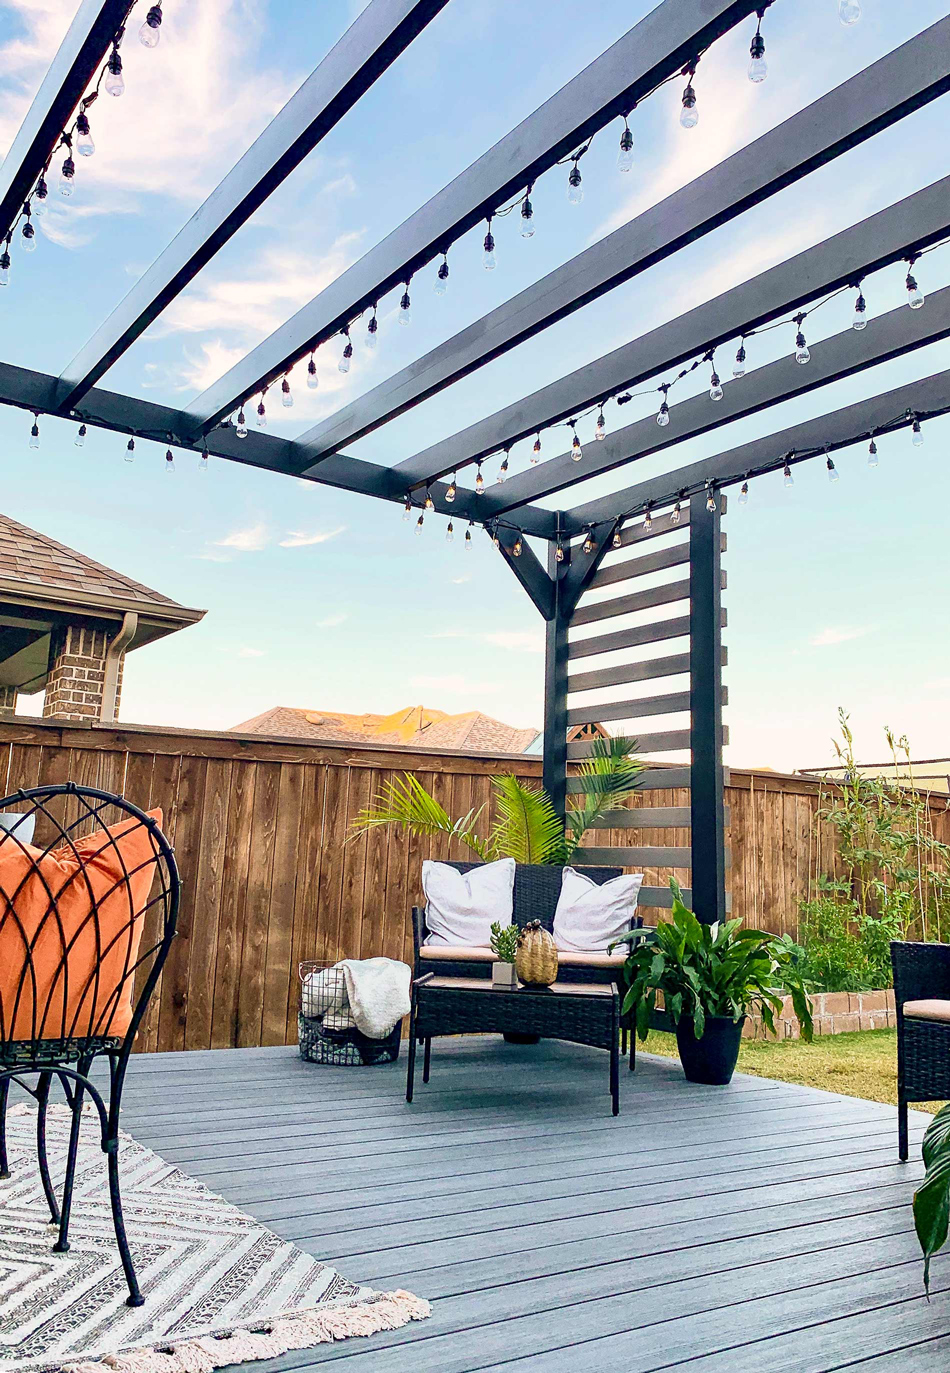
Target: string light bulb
915	296
744	493
313	381
479	480
28	235
346	357
241	430
676	514
151	30
710	499
169	460
115	81
203	459
600	428
860	318
849	11
758	67
616	541
916	434
787	475
372	331
738	367
802	355
130	451
832	470
872	454
429	502
625	155
536	450
715	385
80	438
663	414
451	491
468	539
589	542
689	114
577	451
517	548
67	173
5	264
261	414
528	225
559	552
40	197
35	430
419	523
450	532
405	307
84	143
575	190
647	520
286	395
407	509
442	276
488	245
503	469
494	536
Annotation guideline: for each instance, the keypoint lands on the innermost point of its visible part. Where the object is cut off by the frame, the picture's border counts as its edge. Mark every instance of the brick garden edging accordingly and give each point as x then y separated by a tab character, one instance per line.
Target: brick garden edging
834	1013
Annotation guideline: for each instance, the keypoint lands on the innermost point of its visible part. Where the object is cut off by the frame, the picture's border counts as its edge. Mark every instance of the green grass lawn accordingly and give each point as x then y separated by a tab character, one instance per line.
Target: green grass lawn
862	1064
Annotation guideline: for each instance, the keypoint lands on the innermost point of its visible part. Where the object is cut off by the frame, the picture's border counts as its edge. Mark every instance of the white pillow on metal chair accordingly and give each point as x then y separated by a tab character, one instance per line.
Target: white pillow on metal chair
460	907
590	916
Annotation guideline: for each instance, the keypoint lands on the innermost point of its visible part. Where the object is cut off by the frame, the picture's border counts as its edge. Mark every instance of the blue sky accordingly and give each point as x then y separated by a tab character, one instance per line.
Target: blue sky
321	599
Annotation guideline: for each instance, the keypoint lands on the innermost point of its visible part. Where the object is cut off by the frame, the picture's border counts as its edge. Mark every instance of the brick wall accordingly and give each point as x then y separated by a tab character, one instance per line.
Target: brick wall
77	678
834	1013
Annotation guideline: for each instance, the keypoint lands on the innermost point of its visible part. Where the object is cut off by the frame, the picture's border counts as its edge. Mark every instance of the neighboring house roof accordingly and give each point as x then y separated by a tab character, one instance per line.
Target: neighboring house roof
416	726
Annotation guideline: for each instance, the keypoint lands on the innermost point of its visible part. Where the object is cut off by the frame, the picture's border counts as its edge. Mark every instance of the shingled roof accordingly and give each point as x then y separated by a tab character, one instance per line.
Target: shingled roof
413	727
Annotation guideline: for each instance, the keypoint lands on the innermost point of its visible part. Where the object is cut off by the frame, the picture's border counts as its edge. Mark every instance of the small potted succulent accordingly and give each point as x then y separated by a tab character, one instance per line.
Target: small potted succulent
710	977
504	943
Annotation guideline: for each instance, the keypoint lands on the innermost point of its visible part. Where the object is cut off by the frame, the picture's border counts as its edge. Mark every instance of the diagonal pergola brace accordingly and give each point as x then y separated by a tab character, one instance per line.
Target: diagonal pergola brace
656	48
80	55
891	410
876	242
526	566
881	95
370	45
833	359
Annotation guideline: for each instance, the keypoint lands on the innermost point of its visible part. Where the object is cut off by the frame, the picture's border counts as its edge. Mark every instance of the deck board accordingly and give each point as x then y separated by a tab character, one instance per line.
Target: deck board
717	1228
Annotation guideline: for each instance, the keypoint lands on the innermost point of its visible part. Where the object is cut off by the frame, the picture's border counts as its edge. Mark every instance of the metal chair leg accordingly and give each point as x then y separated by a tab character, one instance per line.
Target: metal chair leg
4	1095
135	1297
902	1129
623	1039
426	1059
42	1098
633	1051
62	1244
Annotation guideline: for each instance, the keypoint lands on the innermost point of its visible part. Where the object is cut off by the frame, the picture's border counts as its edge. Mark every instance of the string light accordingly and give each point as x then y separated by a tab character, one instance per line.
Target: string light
738	367
130	451
429	502
503	469
67	171
589	541
115	81
286	395
663	414
451	491
872	454
261	413
35	431
405	307
450	532
169	460
203	459
710	498
860	319
849	11
577	451
575	190
559	551
617	541
527	215
468	538
915	296
419	523
689	114
600	429
479	480
494	536
84	143
787	474
40	196
536	450
676	513
151	30
832	470
648	519
488	256
313	381
802	354
5	263
715	385
407	508
80	438
372	331
28	234
241	430
744	493
442	276
517	548
758	68
916	433
625	155
346	357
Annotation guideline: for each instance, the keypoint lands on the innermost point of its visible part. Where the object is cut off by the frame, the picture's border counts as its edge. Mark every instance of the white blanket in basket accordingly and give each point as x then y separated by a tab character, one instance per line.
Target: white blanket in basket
373	995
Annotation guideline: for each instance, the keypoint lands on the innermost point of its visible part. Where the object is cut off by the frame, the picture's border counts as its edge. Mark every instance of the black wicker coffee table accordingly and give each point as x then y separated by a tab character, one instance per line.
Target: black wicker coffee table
583	1013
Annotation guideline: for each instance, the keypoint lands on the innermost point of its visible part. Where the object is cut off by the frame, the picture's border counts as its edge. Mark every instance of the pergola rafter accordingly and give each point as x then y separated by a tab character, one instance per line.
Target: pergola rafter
875	98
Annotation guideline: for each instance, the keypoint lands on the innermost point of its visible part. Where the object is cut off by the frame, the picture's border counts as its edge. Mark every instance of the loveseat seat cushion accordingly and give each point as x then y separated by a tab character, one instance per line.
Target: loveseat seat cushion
928	1010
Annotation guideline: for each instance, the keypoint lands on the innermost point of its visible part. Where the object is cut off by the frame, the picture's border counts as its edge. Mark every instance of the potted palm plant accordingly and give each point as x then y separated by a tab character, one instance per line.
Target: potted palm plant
710	978
526	826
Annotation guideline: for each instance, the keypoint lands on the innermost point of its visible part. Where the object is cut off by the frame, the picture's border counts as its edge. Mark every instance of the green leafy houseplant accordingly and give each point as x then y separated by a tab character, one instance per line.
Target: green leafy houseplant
711	973
526	826
932	1198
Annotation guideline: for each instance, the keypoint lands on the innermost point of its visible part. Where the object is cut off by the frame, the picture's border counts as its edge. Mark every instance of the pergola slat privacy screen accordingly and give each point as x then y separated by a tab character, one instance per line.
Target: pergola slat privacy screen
594	547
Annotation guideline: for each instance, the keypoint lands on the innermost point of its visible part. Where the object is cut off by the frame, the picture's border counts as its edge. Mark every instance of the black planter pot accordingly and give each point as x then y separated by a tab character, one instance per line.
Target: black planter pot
712	1059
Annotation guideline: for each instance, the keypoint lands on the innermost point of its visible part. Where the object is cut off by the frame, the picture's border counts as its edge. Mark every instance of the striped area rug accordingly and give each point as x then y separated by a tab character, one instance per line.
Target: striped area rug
219	1288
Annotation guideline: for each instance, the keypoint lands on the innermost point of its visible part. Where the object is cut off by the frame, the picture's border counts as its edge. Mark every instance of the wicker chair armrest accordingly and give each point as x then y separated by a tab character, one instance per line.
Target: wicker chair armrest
921	971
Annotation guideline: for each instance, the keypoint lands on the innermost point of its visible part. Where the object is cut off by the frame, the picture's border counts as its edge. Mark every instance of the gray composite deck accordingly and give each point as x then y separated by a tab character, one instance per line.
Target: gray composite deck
720	1229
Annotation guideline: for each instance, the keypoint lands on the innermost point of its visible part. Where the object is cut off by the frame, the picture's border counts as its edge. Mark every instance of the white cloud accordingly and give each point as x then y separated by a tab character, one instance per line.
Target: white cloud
330	622
453	682
250	652
249	540
341	185
460	581
299	539
837	635
211	557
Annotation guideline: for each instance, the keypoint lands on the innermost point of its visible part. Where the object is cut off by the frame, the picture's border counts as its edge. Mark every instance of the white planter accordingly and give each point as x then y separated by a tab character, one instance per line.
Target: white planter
503	975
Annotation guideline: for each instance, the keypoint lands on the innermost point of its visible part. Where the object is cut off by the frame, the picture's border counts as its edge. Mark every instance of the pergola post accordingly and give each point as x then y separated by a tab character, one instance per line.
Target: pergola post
554	767
707	810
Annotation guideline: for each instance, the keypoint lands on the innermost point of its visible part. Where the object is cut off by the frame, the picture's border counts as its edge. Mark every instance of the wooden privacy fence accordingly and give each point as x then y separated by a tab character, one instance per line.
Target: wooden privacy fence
259	826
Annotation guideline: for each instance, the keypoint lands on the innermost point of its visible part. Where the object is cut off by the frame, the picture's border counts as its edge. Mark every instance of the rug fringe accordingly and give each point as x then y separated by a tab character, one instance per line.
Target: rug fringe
298	1330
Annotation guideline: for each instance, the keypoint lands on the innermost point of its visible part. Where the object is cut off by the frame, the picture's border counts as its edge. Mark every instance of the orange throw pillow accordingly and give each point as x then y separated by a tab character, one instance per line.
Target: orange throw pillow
64	971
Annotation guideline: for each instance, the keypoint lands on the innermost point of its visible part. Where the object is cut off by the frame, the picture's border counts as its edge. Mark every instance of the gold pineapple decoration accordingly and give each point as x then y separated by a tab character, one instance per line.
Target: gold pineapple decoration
536	959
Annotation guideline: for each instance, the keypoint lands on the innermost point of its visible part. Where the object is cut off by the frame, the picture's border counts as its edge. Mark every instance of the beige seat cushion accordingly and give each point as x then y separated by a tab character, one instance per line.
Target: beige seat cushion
457	953
928	1010
590	960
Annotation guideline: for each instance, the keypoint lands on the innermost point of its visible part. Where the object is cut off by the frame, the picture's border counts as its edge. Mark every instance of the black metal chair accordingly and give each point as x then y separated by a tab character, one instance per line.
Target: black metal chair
84	933
921	978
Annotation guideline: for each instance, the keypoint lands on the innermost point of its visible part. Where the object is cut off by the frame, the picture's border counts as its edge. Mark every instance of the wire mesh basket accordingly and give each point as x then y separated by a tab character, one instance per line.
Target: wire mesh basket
325	1029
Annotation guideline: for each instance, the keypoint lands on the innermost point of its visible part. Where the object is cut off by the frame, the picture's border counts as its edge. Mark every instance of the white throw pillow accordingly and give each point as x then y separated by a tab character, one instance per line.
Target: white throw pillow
460	907
590	917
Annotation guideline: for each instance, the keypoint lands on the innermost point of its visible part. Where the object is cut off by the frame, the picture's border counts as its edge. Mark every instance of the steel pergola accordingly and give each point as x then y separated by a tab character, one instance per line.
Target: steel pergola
587	546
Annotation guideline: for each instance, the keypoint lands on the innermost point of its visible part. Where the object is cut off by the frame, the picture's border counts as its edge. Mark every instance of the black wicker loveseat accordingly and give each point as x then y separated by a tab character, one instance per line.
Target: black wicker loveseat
922	998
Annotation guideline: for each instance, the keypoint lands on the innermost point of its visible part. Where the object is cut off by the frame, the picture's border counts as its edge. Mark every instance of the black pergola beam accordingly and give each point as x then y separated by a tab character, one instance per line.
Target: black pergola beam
894	409
370	45
80	55
900	331
876	242
882	94
659	46
108	410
